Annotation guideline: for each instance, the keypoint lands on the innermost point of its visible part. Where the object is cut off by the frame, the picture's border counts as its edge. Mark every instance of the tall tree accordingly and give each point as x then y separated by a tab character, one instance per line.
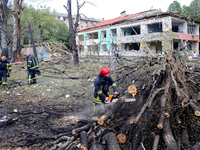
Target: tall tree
3	24
175	7
29	26
73	29
195	10
16	34
185	10
50	28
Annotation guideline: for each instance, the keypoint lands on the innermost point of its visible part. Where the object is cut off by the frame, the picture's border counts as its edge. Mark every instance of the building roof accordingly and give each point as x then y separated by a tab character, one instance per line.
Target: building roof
140	15
82	17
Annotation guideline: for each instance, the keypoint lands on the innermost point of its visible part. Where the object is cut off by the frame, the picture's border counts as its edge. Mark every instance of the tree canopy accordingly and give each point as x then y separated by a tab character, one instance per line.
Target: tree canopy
50	29
192	11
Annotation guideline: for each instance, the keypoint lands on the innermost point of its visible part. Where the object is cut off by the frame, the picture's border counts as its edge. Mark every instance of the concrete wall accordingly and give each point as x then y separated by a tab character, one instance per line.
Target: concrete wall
165	36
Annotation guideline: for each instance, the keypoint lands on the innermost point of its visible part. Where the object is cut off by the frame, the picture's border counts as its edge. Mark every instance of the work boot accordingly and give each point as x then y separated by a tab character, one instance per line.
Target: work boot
4	86
34	81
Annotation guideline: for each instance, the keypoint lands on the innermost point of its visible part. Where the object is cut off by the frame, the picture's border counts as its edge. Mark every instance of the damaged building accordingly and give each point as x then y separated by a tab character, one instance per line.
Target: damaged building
142	34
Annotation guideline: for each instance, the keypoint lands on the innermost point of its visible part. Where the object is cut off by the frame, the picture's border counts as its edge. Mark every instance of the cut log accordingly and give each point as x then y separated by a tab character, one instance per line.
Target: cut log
83	128
134	119
121	138
132	90
60	77
163	103
155	143
84	140
195	109
111	141
168	137
111	111
161	120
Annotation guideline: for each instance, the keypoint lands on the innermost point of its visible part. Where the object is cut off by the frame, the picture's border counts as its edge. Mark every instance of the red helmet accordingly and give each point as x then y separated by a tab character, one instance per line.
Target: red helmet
104	71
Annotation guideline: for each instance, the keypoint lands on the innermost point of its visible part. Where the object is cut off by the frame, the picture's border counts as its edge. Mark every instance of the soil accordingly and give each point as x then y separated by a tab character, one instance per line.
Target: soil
46	108
51	101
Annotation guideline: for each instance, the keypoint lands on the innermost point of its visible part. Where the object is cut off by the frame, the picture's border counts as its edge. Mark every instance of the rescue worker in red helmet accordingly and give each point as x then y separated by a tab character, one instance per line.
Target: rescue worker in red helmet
101	88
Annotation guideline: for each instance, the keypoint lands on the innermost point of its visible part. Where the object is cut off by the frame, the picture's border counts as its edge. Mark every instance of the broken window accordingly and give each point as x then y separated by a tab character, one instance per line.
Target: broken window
113	32
103	34
155	46
175	28
175	45
104	47
191	29
131	31
132	46
156	27
93	35
190	45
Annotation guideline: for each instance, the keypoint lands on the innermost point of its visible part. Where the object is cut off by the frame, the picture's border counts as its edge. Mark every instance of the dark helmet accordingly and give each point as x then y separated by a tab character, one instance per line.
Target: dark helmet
104	71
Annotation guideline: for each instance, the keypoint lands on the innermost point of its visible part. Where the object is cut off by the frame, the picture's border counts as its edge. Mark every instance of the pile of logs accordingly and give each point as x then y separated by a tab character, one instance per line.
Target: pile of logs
165	114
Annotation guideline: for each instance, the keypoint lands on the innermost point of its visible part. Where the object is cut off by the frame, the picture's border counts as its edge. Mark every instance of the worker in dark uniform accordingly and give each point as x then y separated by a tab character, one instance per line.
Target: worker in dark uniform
5	70
32	66
101	89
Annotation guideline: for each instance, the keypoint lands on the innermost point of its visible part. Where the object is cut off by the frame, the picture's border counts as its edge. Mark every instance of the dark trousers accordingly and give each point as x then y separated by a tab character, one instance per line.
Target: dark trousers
3	74
31	77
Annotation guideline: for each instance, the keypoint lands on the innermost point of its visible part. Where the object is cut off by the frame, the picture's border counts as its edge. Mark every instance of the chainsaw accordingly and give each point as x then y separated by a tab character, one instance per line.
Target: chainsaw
114	98
131	89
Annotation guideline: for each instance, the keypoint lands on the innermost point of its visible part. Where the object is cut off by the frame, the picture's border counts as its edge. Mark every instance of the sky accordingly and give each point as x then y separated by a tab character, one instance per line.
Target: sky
107	9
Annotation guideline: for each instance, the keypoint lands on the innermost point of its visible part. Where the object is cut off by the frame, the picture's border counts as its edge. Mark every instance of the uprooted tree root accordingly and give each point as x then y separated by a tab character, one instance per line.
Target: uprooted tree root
165	114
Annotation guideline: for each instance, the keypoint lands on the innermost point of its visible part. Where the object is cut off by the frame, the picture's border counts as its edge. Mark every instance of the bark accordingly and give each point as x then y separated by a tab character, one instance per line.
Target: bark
16	34
163	103
83	128
111	141
97	147
168	136
72	29
111	111
113	57
196	146
195	109
32	40
84	140
155	143
60	77
3	23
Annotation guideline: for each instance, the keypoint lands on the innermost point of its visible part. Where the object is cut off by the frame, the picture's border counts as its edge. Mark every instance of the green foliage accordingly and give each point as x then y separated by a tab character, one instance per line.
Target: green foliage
192	11
49	28
175	7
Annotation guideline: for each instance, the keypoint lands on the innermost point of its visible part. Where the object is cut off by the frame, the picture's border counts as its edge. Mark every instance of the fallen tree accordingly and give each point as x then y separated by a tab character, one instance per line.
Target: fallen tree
165	114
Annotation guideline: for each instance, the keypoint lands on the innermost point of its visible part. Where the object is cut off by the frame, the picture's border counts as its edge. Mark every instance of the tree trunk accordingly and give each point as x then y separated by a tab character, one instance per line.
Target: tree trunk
155	143
16	34
111	141
168	136
195	109
84	140
113	58
3	22
72	29
32	40
111	111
